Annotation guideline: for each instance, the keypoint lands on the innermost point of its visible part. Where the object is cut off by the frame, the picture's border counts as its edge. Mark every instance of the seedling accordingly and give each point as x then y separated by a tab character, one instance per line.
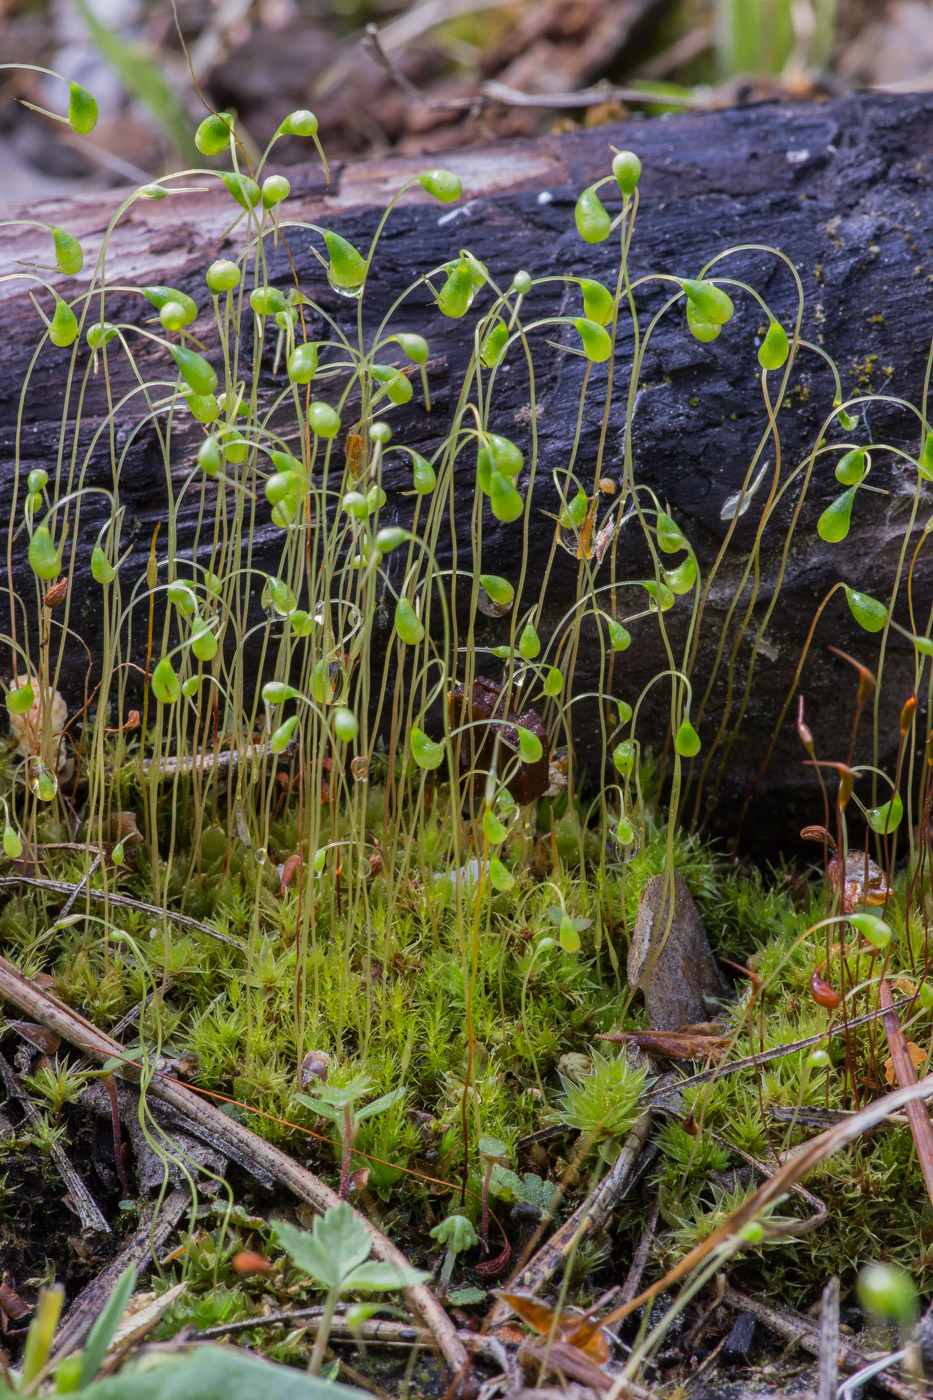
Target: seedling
335	1254
457	1234
340	1103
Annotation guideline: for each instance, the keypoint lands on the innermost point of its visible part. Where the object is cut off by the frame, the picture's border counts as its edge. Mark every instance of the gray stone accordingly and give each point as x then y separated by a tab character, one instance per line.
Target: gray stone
669	958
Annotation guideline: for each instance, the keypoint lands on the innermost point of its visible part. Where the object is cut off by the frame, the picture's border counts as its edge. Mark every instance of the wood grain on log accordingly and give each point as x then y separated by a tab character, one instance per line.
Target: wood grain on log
842	188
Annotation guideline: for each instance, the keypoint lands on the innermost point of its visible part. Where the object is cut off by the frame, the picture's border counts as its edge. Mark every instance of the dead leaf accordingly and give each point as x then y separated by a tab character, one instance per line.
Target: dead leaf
918	1058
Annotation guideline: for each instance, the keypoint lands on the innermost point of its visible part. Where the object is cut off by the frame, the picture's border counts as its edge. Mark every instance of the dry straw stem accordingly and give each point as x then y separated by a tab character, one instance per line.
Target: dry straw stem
778	1185
53	1014
918	1118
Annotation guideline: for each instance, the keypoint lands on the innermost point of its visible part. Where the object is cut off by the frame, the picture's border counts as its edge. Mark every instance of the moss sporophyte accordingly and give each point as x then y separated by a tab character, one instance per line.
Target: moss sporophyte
320	786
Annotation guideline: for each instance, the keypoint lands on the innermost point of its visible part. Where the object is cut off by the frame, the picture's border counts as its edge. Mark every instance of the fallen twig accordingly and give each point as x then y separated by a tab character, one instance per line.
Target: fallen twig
153	1230
80	1032
123	901
803	1332
588	1216
89	1212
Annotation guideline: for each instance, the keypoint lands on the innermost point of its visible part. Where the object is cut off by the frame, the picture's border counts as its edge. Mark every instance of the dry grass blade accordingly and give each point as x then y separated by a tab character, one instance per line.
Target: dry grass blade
78	1031
829	1342
917	1116
793	1171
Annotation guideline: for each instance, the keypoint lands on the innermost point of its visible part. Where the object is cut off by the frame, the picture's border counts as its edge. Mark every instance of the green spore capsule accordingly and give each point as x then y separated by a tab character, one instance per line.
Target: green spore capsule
626	167
69	255
624	832
194	369
63	329
710	301
867	611
12	843
222	276
210	457
37	480
598	302
925	466
504	455
414	346
619	636
101	333
499	589
380	432
553	682
833	524
529	643
423	474
172	316
323	420
529	746
277	692
101	568
457	293
152	191
166	687
19	701
281	737
682	579
597	345
44	560
355	504
700	328
82	109
347	269
887	817
301	122
874	930
204	643
507	505
687	740
346	725
424	751
853	467
213	134
493	344
774	349
670	537
280	486
43	783
573	514
494	830
521	283
275	188
243	189
203	407
163	296
887	1291
267	301
500	877
397	385
441	184
407	623
592	219
302	363
623	757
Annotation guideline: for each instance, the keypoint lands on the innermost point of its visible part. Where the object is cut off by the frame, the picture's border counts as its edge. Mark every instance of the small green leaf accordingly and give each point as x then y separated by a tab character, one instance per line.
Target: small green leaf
337	1243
